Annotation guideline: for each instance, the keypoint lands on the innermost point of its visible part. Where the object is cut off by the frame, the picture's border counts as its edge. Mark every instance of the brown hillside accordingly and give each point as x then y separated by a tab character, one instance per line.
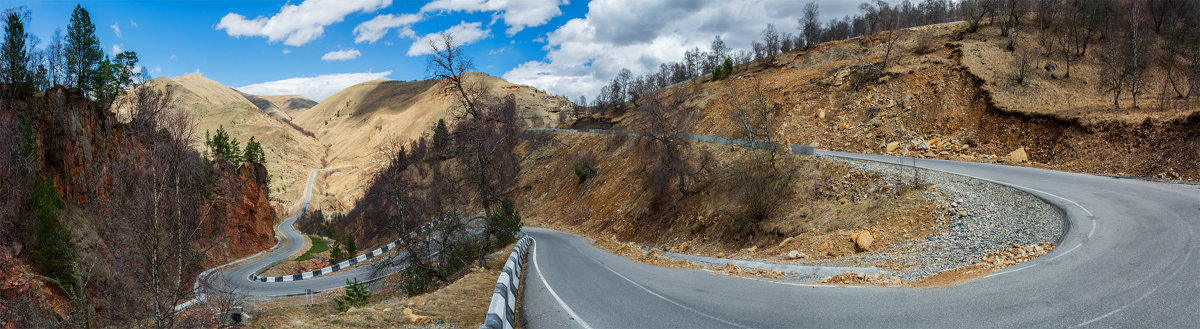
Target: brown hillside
357	122
280	106
954	99
290	154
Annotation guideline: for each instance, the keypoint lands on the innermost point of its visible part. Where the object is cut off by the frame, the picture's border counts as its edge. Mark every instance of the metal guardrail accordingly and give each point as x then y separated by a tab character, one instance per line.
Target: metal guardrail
344	264
502	311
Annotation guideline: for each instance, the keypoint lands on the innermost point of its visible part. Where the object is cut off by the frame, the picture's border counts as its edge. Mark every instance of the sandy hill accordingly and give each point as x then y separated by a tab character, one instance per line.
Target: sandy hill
358	121
211	105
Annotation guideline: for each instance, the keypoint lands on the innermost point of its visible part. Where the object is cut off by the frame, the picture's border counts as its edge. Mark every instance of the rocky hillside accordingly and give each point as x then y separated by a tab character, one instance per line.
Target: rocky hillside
945	93
82	187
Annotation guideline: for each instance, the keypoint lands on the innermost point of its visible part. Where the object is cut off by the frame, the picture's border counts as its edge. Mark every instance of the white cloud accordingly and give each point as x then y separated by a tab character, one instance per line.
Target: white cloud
296	25
172	56
157	69
584	53
316	88
340	55
116	49
197	72
517	14
498	51
287	51
116	29
464	34
133	24
374	29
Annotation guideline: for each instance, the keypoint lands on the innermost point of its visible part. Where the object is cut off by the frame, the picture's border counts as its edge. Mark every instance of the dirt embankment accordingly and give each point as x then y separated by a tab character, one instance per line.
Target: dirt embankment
831	203
948	95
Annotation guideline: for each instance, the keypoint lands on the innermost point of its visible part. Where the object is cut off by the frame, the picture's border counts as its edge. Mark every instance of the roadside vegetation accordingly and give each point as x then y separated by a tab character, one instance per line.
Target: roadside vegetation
122	213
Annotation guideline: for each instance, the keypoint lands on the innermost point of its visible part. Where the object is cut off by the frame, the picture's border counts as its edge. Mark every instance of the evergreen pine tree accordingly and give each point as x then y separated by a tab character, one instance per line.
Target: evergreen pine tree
14	53
82	51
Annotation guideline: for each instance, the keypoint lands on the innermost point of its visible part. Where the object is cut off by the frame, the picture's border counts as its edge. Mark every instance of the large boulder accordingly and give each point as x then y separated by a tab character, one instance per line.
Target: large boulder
1017	156
863	240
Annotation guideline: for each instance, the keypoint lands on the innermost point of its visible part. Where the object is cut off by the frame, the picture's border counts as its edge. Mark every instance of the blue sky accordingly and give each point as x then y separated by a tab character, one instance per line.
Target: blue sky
284	47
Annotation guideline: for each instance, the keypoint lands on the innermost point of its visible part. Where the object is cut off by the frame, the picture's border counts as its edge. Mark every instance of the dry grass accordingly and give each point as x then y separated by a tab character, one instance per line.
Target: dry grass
1077	97
210	105
359	121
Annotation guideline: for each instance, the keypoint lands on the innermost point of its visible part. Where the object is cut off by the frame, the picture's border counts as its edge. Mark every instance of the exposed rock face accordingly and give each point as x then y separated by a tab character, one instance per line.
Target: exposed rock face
250	215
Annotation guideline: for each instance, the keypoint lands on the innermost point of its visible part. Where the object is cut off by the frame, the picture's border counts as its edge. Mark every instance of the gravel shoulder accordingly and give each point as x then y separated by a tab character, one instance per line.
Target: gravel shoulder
978	219
982	227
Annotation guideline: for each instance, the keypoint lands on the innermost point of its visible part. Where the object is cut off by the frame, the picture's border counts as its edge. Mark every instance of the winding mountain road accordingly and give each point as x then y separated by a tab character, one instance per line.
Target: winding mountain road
1128	259
239	275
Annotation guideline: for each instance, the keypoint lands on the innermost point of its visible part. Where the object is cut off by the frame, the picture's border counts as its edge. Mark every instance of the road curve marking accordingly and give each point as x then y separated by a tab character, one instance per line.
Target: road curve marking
1186	257
1010	271
664	297
552	293
1065	252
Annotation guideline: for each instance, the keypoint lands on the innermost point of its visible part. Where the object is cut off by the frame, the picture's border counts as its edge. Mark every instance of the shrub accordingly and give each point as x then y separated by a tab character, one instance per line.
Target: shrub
415	281
336	253
508	221
584	169
52	251
357	295
351	248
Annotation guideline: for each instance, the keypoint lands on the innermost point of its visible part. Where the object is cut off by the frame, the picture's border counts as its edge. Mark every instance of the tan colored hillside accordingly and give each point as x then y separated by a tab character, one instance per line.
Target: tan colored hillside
280	106
290	154
357	122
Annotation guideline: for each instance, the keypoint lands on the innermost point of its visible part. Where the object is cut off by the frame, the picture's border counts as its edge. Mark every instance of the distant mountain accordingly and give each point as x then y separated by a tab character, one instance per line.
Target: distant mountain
359	122
280	106
211	105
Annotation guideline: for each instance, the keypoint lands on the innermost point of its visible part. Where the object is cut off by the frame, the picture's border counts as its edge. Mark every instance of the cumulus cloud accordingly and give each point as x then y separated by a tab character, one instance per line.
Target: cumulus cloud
132	23
287	51
341	55
584	53
316	88
116	49
374	29
464	34
517	14
296	25
116	29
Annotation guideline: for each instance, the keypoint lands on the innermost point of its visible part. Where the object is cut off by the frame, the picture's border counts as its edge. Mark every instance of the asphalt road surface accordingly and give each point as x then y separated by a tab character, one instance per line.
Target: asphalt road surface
1128	259
239	276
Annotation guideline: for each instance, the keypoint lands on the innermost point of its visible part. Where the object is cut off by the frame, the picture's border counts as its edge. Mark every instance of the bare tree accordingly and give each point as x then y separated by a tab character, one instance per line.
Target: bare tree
771	41
1024	61
759	181
485	132
810	27
162	217
1137	57
676	170
1114	72
974	11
